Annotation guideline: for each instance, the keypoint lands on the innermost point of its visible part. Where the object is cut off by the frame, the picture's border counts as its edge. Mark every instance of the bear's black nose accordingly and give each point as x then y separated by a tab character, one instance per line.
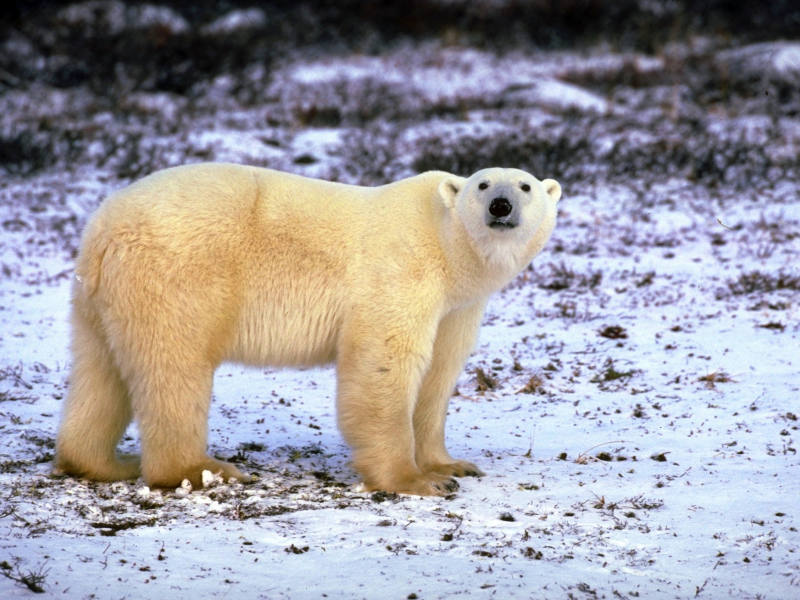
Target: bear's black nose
500	207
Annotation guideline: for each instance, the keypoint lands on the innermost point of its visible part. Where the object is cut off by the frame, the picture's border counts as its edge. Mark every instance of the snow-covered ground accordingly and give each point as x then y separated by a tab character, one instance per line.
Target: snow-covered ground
639	428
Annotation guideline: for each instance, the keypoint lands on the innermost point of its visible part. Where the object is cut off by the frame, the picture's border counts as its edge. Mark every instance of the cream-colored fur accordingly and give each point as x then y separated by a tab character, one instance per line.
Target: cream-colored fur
197	265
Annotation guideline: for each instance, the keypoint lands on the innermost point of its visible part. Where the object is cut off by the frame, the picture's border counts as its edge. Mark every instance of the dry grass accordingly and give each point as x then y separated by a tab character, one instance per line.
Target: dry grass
535	385
758	282
584	457
485	381
33	580
614	332
711	379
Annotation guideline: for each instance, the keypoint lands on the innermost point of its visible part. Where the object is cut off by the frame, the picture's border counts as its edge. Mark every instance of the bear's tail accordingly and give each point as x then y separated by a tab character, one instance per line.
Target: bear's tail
89	265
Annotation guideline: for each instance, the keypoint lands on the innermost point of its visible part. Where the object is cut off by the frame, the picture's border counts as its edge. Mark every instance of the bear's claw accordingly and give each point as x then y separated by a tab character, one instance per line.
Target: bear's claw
450	485
459	468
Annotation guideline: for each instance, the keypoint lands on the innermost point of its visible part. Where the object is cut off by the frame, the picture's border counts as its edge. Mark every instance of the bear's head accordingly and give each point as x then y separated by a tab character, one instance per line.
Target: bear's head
507	213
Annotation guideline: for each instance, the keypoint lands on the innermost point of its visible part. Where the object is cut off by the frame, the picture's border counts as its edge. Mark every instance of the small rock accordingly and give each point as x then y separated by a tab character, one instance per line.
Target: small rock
119	487
208	478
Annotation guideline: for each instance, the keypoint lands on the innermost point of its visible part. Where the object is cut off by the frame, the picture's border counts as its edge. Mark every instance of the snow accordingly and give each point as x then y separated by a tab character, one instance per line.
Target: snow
658	460
779	61
445	75
99	14
236	20
113	17
147	15
555	94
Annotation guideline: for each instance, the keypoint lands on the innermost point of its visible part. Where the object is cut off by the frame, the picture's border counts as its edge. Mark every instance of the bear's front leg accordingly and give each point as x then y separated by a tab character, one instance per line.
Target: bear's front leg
380	366
455	339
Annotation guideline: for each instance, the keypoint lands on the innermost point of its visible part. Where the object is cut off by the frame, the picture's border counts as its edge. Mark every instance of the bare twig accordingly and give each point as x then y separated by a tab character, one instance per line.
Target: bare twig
32	580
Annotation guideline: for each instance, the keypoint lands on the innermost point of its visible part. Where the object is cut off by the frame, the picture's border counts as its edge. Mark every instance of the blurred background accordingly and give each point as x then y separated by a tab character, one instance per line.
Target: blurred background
367	91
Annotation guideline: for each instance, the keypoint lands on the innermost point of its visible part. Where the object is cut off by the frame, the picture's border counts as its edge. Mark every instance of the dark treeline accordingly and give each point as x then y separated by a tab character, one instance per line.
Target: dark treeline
710	64
643	25
60	54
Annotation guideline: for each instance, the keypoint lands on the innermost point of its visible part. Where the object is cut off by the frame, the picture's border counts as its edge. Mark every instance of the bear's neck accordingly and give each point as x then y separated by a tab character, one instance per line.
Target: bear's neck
475	275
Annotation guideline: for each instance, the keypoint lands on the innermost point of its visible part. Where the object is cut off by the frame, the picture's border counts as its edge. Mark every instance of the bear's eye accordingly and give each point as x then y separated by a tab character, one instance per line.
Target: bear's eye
483	185
525	187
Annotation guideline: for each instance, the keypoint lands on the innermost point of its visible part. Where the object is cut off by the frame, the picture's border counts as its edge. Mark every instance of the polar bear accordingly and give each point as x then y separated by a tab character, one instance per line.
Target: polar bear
201	264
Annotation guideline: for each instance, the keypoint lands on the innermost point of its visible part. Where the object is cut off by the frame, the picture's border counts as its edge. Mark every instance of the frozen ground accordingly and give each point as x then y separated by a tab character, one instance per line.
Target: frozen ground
638	413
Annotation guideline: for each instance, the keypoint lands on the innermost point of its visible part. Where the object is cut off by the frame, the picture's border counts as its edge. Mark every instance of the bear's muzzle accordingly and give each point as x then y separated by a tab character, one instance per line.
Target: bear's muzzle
501	214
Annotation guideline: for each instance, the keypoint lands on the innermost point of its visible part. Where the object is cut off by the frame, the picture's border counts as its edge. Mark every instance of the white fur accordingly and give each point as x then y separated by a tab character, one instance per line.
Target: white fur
505	249
202	264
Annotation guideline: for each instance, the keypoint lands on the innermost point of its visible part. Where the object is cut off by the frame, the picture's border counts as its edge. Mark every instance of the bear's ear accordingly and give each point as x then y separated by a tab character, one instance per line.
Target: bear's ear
552	188
449	188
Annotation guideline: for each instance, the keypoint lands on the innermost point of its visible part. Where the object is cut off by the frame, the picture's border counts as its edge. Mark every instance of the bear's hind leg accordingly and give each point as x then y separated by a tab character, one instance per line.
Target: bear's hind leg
97	409
171	403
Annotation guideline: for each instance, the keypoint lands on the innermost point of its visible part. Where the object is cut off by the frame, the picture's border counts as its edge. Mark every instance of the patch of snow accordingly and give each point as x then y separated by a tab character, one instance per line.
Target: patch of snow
18	45
165	104
107	15
144	16
778	61
236	20
448	76
112	17
555	95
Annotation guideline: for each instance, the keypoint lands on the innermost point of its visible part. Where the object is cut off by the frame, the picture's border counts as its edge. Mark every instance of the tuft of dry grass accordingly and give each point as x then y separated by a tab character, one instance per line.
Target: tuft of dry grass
584	457
716	377
647	279
614	332
33	580
774	325
756	281
535	385
564	277
608	374
485	381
